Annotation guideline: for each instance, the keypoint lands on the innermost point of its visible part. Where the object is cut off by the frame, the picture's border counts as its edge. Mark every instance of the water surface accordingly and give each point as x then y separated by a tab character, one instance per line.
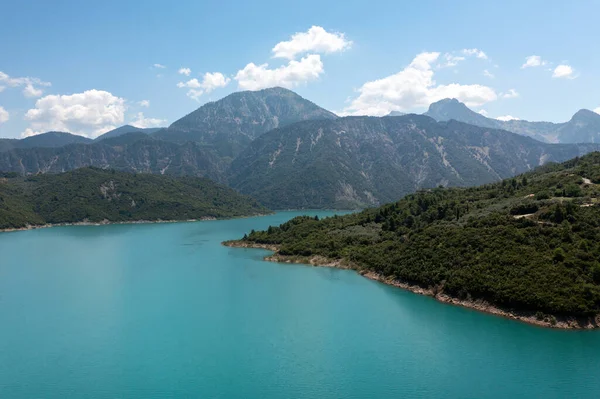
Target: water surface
157	311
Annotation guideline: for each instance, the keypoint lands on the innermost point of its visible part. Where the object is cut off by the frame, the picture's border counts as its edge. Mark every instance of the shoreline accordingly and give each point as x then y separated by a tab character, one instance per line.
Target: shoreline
549	321
106	222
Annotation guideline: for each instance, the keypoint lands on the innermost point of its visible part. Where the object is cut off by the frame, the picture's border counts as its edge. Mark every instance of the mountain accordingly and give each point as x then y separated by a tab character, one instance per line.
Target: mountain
584	127
131	152
227	126
96	195
396	113
356	162
127	129
45	140
526	247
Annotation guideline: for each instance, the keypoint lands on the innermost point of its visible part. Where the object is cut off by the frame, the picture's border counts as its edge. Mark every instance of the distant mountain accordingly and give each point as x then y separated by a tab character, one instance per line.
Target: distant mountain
396	113
365	161
45	140
230	124
127	129
132	152
584	127
95	195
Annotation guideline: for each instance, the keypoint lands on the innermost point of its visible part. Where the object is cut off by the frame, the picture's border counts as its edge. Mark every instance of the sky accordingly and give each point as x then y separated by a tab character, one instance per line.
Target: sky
87	67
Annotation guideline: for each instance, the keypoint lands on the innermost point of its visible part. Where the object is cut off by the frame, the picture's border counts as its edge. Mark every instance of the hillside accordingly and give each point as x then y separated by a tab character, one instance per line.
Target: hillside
529	246
355	162
230	124
97	195
584	126
45	140
131	152
127	129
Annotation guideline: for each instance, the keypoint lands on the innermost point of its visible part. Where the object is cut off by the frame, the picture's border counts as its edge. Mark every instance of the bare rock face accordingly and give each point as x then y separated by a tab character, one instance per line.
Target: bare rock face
365	161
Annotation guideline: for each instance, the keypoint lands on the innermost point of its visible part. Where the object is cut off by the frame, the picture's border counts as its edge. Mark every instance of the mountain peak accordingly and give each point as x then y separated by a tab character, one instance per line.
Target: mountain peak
585	115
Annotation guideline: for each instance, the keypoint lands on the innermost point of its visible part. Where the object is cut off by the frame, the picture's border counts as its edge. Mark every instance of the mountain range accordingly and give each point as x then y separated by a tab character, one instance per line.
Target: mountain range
366	161
289	153
584	126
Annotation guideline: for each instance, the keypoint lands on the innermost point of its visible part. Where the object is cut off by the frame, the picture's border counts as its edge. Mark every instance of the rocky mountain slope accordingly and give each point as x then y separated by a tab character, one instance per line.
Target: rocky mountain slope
365	161
230	124
584	126
132	152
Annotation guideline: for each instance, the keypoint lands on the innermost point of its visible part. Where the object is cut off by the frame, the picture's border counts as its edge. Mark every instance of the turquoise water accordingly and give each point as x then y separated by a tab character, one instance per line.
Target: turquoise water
165	311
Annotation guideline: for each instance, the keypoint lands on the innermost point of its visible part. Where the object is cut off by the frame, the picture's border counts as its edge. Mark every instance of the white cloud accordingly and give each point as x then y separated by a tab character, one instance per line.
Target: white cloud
4	115
488	74
512	93
142	122
255	77
31	88
507	118
414	87
89	114
159	66
533	61
210	82
451	60
144	103
597	110
184	71
483	112
564	71
476	52
315	40
30	91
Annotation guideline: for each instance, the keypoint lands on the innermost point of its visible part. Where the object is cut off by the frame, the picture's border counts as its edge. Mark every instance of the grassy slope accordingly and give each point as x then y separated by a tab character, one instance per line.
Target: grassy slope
531	243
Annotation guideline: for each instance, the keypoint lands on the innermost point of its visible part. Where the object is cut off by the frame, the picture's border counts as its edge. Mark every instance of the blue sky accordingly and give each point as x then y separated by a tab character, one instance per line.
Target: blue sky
86	67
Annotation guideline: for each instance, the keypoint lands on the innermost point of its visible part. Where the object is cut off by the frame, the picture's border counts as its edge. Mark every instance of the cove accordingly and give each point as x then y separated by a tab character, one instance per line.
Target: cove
155	311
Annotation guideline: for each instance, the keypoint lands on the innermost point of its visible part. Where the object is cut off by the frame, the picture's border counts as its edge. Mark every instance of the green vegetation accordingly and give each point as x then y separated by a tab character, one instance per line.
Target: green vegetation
94	195
531	243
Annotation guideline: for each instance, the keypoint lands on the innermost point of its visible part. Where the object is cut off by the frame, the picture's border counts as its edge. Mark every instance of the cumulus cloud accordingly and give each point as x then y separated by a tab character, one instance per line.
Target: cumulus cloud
564	71
144	103
142	122
210	81
483	112
184	71
31	85
533	61
255	77
4	115
512	93
315	40
89	114
475	52
507	118
159	66
597	110
488	74
414	87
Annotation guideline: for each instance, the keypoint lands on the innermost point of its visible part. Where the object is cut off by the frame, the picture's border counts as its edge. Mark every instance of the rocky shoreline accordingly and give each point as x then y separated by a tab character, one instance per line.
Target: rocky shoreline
549	321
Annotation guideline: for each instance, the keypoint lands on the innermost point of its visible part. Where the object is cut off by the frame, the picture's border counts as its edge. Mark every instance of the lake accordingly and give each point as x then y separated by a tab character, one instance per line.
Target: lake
165	311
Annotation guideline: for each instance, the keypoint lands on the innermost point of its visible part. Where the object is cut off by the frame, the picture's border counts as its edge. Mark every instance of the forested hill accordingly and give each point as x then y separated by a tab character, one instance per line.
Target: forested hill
531	243
96	195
